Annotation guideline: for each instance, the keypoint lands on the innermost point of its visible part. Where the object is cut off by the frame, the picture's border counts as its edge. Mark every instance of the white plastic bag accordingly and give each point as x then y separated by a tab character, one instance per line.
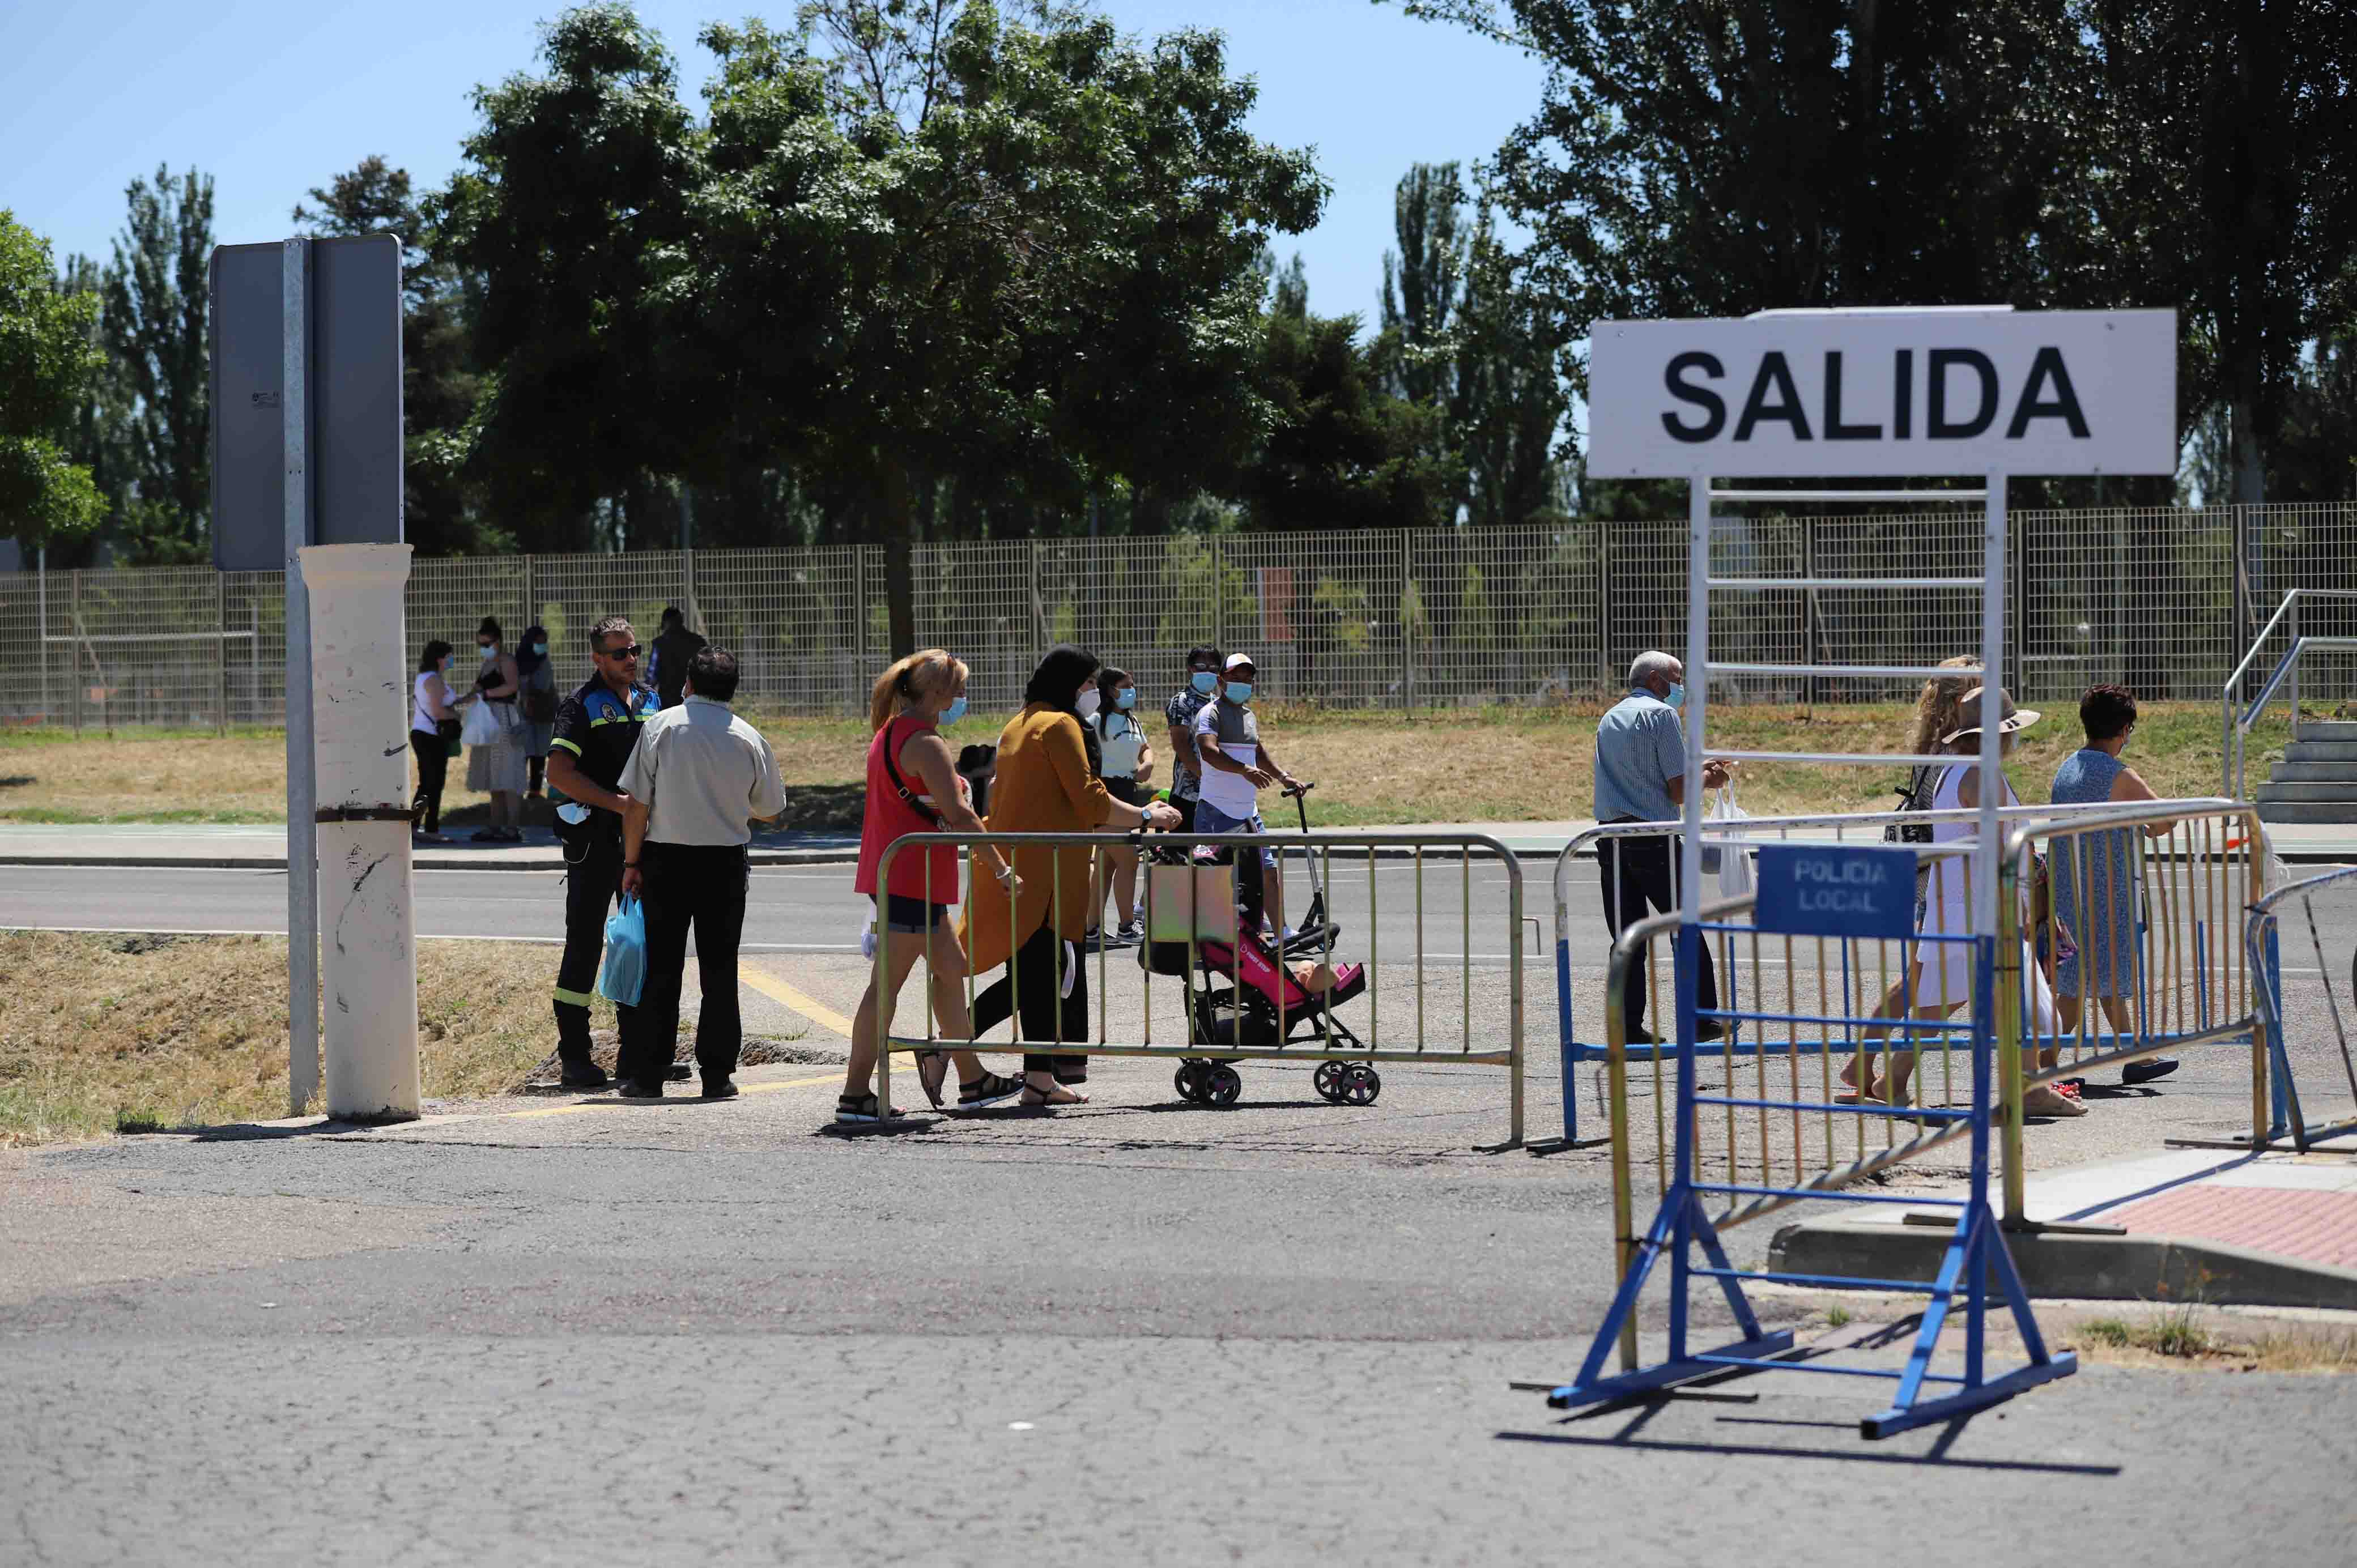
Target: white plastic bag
482	726
1734	864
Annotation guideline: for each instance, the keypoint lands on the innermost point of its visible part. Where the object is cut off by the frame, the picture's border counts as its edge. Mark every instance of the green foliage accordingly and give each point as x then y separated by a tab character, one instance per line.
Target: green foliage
47	362
1341	454
156	325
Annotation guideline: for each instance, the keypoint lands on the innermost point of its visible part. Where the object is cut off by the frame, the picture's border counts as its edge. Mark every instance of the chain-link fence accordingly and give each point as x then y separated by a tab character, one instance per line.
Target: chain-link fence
2164	600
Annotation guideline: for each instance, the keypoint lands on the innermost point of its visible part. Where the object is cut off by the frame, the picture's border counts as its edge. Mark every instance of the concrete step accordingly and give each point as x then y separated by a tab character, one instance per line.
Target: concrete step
2311	794
2315	773
2293	812
2325	729
2322	751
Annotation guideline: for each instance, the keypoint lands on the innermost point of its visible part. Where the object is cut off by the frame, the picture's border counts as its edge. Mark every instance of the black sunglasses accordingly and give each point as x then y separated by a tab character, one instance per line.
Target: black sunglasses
630	652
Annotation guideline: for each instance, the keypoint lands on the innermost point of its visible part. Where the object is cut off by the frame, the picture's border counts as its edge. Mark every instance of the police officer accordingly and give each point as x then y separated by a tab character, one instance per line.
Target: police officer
597	729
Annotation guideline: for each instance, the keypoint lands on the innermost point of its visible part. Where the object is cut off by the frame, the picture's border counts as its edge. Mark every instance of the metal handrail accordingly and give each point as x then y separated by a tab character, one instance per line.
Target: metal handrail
2232	750
2287	670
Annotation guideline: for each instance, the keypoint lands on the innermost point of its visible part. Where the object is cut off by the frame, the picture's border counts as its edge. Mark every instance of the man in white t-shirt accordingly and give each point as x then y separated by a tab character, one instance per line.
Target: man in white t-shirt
1236	768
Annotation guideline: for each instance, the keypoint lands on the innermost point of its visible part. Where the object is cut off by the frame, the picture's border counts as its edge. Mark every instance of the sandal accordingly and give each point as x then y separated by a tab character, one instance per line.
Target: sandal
1042	1099
2042	1099
932	1072
862	1108
988	1090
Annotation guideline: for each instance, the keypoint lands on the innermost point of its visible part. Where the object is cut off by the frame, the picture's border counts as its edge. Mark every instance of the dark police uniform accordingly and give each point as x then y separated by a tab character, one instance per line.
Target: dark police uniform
600	730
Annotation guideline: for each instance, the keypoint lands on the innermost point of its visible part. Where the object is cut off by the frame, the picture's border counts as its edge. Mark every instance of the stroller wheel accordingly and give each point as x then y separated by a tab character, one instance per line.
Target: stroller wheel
1361	1084
1331	1081
1226	1083
1187	1081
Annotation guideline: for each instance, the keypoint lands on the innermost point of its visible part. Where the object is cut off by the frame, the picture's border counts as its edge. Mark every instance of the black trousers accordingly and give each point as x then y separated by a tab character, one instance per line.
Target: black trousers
685	885
593	879
1046	1014
432	754
1642	873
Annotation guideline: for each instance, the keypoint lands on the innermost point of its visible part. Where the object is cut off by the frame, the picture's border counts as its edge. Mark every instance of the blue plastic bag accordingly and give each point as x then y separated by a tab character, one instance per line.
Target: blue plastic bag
625	973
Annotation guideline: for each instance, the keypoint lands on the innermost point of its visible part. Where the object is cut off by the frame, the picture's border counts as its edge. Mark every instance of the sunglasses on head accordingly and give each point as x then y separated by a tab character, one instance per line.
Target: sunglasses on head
630	652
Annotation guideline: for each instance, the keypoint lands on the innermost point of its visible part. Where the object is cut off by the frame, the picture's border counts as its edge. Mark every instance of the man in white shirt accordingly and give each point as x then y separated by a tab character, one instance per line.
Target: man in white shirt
697	776
1236	768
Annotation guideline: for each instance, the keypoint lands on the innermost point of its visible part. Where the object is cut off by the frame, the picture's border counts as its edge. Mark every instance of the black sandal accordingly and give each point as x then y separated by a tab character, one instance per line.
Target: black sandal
988	1090
862	1108
932	1072
1043	1100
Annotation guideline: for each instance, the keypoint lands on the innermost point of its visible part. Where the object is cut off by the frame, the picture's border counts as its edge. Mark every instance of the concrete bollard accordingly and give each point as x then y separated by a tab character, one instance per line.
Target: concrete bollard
367	920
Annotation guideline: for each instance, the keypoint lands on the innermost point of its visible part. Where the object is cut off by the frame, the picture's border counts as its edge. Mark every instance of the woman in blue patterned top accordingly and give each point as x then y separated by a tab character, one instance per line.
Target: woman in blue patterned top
2102	919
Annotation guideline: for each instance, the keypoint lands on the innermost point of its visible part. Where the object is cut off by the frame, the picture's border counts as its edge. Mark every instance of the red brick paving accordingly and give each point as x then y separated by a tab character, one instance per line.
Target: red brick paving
2320	1227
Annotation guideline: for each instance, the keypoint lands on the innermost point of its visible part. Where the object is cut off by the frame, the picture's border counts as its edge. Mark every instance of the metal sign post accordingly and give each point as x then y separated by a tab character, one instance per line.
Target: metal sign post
302	782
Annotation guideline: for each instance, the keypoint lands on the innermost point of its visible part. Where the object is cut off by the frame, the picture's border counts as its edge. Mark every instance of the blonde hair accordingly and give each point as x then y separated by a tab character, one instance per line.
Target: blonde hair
927	671
1940	709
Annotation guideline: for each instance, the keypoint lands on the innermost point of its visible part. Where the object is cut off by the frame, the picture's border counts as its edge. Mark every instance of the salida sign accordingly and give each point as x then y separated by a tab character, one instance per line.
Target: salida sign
1836	890
1875	392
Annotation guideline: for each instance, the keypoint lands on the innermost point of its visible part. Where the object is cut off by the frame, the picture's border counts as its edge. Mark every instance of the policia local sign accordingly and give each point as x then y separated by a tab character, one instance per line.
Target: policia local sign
1885	392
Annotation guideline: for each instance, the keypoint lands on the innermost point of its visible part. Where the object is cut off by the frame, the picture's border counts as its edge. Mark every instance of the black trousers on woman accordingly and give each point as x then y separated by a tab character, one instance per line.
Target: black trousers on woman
432	754
1047	1014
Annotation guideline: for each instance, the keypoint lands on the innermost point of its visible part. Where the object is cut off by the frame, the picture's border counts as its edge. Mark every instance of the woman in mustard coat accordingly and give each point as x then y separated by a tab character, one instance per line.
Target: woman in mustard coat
1047	783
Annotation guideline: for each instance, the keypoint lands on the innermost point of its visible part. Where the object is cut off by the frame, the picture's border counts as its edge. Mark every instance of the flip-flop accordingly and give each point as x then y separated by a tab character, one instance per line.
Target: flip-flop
932	1072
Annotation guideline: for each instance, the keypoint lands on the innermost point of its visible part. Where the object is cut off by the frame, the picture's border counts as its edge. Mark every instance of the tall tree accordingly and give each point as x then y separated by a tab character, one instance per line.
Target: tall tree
1019	256
570	210
439	386
100	437
1422	280
1342	452
154	323
47	360
1510	397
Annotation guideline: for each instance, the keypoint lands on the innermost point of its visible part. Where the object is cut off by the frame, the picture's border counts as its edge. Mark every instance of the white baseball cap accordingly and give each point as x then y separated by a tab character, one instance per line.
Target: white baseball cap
1243	659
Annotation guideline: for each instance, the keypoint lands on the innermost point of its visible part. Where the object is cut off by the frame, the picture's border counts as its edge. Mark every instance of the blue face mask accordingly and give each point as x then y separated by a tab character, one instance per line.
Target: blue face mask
540	651
1205	683
1125	699
1239	691
1677	697
954	711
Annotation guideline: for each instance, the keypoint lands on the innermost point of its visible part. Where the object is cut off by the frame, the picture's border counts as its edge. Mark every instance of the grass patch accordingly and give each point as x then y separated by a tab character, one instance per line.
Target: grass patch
2188	1335
1372	767
139	1033
1837	1317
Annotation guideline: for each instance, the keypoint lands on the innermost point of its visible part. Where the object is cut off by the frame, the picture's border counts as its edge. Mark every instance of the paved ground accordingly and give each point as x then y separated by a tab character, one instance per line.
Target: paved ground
695	1332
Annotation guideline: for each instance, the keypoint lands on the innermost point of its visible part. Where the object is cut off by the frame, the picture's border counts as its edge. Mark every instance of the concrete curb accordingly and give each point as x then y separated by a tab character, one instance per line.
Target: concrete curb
552	861
2169	1269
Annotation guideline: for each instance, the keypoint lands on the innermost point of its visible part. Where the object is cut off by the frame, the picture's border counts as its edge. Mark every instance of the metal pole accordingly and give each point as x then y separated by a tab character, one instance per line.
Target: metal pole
1993	580
1697	684
1219	599
1604	606
41	597
74	647
1407	638
220	649
858	620
2295	664
302	792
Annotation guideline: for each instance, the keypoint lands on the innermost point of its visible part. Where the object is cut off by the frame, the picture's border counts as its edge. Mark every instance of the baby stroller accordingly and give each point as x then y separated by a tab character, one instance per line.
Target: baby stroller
1244	988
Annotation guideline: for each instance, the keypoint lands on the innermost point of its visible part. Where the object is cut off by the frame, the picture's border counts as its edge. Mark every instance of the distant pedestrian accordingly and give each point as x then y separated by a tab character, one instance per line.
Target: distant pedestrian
1128	775
698	777
1178	716
433	725
1237	765
596	730
1640	776
2095	879
497	768
535	705
674	646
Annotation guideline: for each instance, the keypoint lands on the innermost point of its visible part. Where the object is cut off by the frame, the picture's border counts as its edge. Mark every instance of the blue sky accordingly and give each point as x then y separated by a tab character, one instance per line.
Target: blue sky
272	97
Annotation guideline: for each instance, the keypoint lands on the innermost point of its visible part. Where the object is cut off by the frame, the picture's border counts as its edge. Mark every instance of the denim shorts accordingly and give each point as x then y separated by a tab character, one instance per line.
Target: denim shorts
1210	818
913	917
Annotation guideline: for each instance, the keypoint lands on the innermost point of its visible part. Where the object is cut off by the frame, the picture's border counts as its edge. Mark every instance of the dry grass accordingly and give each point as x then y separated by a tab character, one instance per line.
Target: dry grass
104	1034
1481	765
2186	1335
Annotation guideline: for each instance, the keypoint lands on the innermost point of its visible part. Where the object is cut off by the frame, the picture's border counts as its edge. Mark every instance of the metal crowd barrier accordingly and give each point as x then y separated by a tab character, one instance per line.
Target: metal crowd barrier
2291	1109
1259	1023
1585	928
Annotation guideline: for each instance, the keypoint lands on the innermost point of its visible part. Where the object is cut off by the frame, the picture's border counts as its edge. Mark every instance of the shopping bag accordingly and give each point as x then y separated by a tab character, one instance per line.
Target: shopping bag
1189	901
625	971
1734	864
482	726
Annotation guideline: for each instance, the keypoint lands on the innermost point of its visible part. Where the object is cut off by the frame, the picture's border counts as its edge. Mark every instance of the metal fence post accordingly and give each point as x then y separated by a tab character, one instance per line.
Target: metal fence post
858	620
1603	606
221	645
73	649
687	587
530	597
1408	634
1218	597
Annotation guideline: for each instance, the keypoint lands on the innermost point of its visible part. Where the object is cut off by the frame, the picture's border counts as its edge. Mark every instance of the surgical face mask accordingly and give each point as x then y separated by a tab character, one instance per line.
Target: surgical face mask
1204	681
1677	697
490	651
954	711
1125	699
1089	702
540	651
1239	691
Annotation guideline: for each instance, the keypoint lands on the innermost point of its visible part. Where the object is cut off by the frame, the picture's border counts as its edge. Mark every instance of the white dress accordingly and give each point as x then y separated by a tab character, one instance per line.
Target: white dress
1944	976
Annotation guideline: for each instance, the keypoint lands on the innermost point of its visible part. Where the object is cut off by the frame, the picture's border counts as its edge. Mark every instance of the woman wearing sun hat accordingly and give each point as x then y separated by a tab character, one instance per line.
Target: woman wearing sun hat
1942	971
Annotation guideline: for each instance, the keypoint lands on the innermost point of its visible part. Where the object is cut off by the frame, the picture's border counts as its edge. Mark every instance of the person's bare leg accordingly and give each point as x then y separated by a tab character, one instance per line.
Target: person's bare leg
1124	884
900	953
1892	1005
1902	1061
2067	1009
949	1002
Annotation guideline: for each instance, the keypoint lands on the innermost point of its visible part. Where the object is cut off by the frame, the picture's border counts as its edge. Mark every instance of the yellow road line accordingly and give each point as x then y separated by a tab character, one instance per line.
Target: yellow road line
777	990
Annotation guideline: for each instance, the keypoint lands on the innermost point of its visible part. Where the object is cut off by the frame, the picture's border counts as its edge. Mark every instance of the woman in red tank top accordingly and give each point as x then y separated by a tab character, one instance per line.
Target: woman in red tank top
913	788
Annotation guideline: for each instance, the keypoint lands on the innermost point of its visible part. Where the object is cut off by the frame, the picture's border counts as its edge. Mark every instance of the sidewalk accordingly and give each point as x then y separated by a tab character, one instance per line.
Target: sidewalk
2274	1229
263	848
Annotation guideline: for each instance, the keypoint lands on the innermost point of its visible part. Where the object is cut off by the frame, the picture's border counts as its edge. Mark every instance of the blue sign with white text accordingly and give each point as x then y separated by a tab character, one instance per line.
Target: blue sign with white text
1836	890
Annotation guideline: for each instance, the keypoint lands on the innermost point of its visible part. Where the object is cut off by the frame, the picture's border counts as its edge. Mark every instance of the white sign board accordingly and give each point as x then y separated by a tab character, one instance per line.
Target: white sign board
1884	393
